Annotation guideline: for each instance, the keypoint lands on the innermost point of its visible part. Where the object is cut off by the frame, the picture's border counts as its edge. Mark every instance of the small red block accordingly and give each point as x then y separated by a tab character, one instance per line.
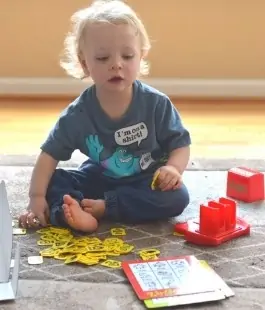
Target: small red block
245	184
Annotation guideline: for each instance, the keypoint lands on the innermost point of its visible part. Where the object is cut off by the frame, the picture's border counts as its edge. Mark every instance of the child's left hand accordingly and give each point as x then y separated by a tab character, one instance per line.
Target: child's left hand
168	178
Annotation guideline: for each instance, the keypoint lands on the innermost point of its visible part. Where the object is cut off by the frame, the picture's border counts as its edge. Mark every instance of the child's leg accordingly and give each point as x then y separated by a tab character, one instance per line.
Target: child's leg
66	190
137	202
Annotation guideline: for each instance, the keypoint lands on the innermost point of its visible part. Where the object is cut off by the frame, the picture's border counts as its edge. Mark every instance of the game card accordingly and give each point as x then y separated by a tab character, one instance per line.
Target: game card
166	277
221	291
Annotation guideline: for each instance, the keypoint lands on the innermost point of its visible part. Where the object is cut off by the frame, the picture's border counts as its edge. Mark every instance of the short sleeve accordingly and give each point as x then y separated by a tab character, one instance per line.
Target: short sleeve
62	139
170	131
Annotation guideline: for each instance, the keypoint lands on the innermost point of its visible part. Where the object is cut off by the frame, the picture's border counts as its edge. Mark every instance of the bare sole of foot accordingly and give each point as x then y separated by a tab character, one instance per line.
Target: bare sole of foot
76	217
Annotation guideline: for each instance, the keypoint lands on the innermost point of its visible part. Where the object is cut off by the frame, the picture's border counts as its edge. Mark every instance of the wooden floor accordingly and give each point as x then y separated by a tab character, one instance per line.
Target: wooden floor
219	129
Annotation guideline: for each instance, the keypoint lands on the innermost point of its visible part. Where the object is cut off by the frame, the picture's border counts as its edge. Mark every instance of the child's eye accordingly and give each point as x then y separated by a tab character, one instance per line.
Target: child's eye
127	57
102	58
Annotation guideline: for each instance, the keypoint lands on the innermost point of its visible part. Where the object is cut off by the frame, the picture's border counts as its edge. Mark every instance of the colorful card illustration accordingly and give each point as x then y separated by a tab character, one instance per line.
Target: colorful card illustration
221	292
175	281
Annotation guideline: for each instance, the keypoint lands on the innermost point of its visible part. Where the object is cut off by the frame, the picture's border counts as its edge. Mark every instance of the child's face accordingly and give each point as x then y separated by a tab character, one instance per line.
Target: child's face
112	55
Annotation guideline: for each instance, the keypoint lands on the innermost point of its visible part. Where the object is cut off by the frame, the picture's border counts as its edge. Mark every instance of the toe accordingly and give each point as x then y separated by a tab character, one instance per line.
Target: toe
84	203
87	203
88	210
66	209
68	199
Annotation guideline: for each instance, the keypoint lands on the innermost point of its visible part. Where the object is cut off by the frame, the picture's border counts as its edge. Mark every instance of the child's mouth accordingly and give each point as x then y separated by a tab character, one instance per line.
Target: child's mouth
116	79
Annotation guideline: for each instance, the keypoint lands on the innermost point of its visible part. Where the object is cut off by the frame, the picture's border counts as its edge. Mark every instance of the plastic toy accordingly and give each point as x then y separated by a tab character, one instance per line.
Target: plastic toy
245	184
8	288
218	223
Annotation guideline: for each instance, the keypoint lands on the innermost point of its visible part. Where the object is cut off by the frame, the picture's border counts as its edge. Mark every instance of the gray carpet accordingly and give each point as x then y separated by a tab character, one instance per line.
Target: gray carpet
240	262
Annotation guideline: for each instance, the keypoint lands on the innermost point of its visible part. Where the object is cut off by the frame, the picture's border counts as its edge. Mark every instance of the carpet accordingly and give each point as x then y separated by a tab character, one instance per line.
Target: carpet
241	262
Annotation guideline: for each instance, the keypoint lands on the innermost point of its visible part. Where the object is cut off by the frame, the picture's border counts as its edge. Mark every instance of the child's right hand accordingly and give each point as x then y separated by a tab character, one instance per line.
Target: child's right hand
37	213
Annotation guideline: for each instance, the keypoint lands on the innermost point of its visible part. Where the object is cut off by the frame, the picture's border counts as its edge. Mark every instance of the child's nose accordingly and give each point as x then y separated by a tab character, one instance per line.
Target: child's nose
117	64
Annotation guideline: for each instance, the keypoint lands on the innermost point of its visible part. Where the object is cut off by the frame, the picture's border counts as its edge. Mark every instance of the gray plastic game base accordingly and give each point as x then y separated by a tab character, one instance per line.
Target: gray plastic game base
8	288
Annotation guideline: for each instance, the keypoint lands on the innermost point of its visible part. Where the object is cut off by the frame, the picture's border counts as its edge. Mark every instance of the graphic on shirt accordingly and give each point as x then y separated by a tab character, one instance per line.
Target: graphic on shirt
121	162
131	134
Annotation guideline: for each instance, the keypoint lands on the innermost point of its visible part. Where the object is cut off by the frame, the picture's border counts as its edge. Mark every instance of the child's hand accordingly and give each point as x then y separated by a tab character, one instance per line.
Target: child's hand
168	178
37	213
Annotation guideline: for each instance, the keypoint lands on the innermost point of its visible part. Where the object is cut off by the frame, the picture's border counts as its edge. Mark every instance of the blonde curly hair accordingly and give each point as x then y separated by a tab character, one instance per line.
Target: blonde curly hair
111	11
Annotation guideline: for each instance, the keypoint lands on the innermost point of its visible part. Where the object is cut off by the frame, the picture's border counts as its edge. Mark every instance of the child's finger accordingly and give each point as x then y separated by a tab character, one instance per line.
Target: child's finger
171	184
178	184
167	182
22	221
31	220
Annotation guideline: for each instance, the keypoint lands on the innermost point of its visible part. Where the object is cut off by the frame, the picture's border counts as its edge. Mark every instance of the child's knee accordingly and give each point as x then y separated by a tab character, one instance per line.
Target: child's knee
58	179
58	175
174	202
181	199
56	183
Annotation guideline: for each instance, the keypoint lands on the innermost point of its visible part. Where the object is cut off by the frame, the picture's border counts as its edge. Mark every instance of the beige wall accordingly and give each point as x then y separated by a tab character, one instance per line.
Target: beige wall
192	38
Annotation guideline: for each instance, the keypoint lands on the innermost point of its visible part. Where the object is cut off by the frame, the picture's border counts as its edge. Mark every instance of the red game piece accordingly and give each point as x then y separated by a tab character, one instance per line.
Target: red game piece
218	223
245	184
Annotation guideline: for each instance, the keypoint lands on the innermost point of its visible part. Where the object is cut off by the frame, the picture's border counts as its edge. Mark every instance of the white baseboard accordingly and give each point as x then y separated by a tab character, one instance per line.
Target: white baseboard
218	88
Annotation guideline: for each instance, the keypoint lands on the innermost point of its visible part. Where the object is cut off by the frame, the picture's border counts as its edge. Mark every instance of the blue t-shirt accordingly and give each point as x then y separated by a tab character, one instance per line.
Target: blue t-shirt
143	137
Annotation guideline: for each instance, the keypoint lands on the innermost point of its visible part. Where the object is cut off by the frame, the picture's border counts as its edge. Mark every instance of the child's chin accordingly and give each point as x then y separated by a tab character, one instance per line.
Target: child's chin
116	85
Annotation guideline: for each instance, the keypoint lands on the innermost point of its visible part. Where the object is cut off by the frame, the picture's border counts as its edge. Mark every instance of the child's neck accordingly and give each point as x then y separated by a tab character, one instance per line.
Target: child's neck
115	104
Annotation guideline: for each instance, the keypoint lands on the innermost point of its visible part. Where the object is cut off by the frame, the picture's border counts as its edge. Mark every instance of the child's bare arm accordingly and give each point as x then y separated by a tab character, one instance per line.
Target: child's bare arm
179	158
41	175
61	142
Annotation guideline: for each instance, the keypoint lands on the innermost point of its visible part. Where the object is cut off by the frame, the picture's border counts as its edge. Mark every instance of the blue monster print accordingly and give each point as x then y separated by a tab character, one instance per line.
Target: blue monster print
94	147
120	163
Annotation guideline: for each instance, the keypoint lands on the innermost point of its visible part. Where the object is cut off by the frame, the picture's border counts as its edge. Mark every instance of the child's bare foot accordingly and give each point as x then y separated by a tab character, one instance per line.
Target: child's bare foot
95	207
76	217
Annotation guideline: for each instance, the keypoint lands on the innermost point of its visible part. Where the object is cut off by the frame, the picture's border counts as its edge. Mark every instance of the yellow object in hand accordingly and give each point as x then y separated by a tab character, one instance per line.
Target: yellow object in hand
153	184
